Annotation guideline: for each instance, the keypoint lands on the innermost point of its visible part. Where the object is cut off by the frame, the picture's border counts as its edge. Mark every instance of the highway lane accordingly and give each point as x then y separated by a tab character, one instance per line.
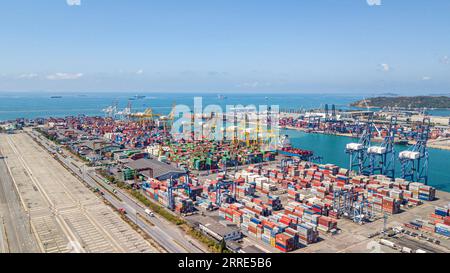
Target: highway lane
167	235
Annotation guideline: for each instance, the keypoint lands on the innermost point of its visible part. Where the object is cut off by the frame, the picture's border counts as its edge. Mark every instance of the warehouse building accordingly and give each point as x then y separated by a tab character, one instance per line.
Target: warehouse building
216	230
152	168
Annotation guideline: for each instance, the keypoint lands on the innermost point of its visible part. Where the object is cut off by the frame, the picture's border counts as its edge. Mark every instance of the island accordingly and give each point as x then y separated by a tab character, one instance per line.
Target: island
435	102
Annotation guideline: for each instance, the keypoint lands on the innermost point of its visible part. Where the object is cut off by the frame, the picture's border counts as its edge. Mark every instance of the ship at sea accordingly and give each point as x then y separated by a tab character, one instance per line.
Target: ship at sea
56	97
285	148
137	97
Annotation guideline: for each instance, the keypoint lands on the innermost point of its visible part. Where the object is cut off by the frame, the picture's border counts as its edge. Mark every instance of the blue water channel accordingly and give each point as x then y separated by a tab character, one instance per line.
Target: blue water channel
331	148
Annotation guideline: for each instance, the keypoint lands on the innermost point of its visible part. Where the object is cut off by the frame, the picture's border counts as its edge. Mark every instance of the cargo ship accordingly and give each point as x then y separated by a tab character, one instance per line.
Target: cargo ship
137	97
285	148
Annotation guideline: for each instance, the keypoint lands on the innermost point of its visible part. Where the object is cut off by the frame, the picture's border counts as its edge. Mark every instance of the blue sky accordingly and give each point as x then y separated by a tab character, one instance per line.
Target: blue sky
400	46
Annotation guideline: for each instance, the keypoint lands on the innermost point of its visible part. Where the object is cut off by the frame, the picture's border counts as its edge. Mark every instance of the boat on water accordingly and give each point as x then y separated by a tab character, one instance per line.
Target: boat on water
285	148
401	142
221	97
137	97
56	97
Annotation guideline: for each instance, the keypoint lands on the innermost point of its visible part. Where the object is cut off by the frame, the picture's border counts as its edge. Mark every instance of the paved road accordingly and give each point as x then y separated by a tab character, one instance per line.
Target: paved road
65	215
15	228
167	235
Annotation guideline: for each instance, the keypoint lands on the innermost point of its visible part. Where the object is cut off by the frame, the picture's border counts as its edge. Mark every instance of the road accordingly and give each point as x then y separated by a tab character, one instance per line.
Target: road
65	215
167	235
17	236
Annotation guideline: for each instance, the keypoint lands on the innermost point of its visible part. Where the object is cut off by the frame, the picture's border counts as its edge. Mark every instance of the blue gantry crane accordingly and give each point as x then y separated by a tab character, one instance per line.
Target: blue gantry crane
382	157
285	163
358	151
414	161
349	204
173	185
330	117
222	186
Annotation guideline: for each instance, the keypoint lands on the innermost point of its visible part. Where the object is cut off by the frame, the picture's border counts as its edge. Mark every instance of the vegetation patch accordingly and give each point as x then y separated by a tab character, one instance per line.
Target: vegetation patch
441	102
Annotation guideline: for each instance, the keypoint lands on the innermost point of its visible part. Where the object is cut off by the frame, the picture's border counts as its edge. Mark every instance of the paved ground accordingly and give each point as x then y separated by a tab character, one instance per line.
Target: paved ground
166	235
65	216
15	232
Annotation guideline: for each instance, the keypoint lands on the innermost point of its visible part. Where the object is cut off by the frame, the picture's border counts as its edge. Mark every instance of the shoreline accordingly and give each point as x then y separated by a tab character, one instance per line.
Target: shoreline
430	145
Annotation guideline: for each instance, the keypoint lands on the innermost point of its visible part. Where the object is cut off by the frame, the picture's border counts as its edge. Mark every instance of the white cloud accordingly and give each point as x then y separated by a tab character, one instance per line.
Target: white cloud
374	2
73	2
385	67
445	60
254	84
64	76
140	72
426	78
28	76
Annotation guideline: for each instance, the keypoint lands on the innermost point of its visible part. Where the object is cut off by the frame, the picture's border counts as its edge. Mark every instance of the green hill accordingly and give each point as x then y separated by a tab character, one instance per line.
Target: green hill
406	102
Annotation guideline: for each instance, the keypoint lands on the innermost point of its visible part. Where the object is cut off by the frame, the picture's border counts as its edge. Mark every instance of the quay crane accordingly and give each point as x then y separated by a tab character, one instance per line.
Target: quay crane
142	117
169	119
111	111
330	117
382	157
125	113
358	151
314	121
414	161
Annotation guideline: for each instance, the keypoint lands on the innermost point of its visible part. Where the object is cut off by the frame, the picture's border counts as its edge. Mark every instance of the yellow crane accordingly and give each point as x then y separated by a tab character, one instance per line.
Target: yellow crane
147	116
168	120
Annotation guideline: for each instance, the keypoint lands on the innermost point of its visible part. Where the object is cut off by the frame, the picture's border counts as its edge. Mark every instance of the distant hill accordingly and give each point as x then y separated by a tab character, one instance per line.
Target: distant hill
389	95
406	102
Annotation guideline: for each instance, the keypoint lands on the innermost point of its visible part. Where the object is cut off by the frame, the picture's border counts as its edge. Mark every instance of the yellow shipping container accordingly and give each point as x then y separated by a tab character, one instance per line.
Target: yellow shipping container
272	242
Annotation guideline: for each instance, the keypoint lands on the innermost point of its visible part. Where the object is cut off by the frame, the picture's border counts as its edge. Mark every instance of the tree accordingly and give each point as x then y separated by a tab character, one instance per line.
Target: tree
223	246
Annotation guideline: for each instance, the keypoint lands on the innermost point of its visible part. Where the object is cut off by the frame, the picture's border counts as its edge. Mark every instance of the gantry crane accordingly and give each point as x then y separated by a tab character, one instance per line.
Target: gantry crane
125	113
173	185
349	204
147	116
111	111
169	119
358	151
224	185
414	161
330	117
382	157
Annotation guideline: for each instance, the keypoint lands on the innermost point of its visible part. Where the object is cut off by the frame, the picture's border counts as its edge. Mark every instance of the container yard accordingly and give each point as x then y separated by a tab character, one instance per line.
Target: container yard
276	200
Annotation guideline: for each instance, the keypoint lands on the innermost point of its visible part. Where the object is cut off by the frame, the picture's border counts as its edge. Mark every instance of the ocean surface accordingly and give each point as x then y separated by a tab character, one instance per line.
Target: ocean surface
331	148
33	105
